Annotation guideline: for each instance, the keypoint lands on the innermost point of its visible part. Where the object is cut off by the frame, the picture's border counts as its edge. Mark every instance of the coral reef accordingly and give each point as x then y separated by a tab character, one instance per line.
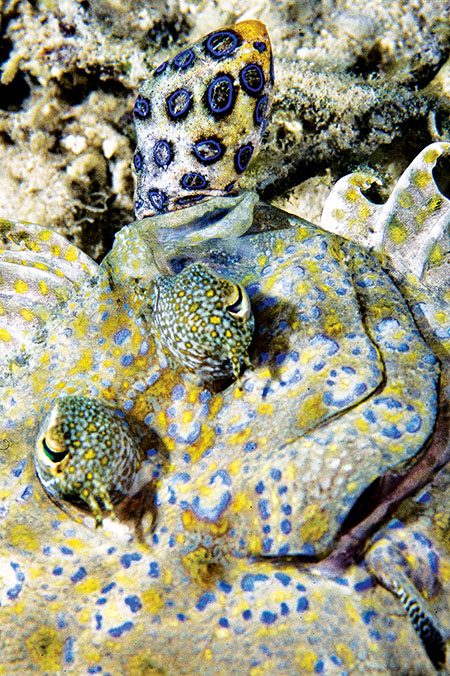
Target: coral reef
347	79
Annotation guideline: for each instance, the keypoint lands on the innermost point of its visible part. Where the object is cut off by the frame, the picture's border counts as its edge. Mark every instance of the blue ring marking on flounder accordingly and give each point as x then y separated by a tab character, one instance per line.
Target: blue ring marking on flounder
220	95
142	108
252	79
179	103
162	153
216	44
208	151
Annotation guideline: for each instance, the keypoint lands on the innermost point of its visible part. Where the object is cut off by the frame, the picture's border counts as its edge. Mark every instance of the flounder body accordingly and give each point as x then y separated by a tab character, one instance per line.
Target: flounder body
247	482
78	357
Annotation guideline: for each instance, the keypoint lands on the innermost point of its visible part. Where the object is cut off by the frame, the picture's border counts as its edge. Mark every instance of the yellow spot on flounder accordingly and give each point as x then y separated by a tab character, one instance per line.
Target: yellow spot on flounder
20	286
241	502
364	211
346	654
352	195
437	255
5	335
88	586
43	287
311	410
265	408
421	178
152	601
405	199
306	659
45	647
431	155
351	611
71	254
142	664
55	249
26	314
398	232
24	537
81	325
315	523
45	235
338	214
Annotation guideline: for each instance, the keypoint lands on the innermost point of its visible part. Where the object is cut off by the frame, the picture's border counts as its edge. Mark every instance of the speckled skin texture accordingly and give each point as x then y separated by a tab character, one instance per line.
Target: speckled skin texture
85	450
204	322
244	490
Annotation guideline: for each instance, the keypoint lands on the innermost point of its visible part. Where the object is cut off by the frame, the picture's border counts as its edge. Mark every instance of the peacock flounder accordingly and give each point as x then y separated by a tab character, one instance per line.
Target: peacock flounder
72	343
248	483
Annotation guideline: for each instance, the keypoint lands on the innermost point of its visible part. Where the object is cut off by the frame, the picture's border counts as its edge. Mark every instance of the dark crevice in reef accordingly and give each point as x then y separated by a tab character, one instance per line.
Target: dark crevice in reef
370	64
98	216
5	49
375	194
14	94
166	33
409	138
424	73
6	138
76	86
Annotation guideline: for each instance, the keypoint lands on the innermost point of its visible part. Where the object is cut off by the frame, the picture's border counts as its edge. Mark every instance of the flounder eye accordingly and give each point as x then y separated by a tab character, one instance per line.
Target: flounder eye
54	456
240	307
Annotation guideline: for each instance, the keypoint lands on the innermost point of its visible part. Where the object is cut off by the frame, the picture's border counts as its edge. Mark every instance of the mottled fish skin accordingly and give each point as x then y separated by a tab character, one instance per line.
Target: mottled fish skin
74	347
84	450
203	321
199	119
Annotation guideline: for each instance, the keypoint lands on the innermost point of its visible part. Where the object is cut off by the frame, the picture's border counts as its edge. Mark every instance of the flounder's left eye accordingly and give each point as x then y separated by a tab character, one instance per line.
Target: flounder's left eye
53	455
240	307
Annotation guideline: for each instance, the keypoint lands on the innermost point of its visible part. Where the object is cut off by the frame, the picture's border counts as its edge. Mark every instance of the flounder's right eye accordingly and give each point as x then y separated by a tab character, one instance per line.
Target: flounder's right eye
54	456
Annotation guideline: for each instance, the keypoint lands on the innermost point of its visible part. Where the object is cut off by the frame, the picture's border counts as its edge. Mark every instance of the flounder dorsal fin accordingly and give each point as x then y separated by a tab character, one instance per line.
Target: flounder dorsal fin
411	227
410	232
39	270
